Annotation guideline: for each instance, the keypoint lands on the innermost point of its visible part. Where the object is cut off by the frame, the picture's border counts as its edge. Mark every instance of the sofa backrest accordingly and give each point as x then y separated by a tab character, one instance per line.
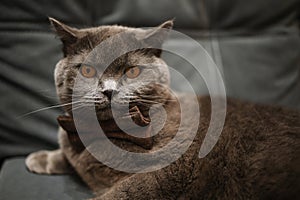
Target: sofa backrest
255	44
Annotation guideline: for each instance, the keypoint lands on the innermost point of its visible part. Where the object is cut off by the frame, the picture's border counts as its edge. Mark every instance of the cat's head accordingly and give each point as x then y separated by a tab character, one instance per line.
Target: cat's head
138	77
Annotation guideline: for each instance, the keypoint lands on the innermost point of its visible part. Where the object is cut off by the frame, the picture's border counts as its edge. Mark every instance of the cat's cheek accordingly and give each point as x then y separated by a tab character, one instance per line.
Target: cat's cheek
163	79
58	74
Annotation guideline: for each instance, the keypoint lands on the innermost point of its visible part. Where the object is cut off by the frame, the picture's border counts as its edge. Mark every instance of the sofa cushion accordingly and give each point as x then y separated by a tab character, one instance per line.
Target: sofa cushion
255	45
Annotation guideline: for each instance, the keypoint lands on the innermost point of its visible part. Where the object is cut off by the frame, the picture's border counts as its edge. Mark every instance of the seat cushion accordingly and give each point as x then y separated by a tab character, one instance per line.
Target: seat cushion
256	46
16	182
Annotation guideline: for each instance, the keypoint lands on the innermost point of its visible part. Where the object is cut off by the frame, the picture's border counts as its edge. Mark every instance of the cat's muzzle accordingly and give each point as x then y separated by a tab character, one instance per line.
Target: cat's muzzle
110	128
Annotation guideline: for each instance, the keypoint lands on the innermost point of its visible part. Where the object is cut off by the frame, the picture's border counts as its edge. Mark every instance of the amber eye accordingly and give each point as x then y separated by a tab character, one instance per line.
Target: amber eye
133	72
88	71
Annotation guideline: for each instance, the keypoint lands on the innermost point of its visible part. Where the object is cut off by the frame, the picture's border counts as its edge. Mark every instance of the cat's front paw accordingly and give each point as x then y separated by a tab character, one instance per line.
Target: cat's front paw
48	162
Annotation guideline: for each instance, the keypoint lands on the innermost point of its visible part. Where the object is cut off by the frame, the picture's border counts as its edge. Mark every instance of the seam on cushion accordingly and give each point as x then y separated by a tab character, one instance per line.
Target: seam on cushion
26	32
217	55
295	30
38	26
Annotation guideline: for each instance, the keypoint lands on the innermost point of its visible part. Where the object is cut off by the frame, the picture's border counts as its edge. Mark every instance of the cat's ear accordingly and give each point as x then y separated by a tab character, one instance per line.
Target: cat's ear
155	37
67	34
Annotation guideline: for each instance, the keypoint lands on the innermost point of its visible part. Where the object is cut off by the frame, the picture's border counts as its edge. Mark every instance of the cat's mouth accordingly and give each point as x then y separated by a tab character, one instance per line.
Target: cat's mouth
119	110
110	129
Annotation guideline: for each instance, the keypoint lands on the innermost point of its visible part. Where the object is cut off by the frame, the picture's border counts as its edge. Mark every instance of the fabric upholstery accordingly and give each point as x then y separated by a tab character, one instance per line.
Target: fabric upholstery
18	183
254	43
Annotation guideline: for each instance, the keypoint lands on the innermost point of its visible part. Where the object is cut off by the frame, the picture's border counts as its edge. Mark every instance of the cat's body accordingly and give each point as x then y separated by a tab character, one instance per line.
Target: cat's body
256	156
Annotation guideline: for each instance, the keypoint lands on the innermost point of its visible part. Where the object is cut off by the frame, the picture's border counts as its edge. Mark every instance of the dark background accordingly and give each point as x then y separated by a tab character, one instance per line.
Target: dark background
255	44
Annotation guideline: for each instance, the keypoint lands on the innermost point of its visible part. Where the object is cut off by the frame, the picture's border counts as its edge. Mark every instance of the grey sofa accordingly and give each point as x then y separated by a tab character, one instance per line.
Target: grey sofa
255	44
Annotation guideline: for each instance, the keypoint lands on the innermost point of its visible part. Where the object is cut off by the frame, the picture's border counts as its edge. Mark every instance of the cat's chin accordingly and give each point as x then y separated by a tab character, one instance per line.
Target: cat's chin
104	114
119	111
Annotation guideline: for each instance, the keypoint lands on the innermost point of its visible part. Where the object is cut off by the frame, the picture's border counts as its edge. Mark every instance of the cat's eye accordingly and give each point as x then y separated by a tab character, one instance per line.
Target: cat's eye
133	72
88	71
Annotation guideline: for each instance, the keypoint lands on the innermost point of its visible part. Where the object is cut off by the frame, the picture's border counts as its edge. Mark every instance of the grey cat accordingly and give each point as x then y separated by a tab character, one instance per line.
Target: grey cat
256	156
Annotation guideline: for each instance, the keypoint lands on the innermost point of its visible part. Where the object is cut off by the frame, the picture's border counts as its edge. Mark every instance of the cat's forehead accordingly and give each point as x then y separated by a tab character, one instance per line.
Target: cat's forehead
96	60
102	33
112	39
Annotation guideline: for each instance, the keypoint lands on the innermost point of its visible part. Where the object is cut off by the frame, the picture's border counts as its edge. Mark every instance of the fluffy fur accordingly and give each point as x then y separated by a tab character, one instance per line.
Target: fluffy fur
256	156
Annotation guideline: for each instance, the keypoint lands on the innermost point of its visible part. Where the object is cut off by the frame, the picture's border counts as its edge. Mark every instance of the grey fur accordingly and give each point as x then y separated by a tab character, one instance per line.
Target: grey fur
256	157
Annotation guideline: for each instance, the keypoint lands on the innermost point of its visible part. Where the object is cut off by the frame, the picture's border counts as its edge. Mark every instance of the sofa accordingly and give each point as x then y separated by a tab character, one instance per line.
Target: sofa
255	45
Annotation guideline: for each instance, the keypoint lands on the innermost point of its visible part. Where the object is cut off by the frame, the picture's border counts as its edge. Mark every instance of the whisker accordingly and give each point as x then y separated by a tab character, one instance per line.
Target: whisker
145	101
47	108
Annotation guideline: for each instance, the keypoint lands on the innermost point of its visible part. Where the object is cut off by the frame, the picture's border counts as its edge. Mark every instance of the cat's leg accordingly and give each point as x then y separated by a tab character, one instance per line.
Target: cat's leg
133	188
179	180
48	162
143	187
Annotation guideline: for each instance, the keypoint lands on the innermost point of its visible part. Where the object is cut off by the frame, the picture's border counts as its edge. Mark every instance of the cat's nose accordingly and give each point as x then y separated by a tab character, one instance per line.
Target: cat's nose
109	93
109	88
